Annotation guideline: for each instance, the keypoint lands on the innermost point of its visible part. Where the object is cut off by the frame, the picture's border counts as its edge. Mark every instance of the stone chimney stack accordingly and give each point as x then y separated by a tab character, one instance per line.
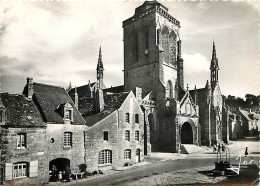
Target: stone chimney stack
76	99
138	94
98	101
30	90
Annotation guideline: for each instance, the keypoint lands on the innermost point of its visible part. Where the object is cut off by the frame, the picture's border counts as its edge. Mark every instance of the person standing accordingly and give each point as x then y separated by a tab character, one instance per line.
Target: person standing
246	152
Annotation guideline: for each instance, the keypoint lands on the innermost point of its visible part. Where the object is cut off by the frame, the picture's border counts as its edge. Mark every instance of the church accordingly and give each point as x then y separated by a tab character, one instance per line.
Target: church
94	128
153	70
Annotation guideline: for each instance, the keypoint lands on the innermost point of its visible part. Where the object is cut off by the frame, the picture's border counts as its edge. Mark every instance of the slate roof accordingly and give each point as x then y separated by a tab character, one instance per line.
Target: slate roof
116	89
202	93
83	91
20	112
112	102
48	98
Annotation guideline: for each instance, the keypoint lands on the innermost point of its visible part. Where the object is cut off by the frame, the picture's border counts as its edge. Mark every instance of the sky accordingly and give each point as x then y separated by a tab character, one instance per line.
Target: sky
58	42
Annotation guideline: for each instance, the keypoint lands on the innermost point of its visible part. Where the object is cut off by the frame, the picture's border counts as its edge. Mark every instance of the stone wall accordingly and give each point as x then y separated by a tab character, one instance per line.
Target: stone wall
56	149
34	153
116	126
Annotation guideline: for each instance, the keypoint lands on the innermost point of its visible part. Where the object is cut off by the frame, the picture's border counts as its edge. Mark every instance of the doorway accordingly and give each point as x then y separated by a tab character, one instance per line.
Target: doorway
186	134
137	156
59	170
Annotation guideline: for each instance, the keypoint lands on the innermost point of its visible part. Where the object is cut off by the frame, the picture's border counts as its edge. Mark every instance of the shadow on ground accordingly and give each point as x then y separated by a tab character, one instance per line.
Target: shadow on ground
247	176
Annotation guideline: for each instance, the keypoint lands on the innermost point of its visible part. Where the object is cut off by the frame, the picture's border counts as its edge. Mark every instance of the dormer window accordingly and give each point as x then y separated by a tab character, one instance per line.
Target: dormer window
68	112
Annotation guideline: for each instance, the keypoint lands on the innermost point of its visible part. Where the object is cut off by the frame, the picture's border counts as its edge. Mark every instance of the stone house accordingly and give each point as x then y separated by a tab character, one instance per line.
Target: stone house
251	122
235	126
22	139
65	128
115	136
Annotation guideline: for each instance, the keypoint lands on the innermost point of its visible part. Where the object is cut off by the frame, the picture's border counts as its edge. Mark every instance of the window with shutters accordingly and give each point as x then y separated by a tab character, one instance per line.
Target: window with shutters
21	141
127	117
67	139
20	170
105	157
127	135
127	154
137	135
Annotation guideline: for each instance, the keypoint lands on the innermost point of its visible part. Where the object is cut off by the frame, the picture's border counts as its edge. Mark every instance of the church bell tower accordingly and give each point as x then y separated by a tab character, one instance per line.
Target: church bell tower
152	50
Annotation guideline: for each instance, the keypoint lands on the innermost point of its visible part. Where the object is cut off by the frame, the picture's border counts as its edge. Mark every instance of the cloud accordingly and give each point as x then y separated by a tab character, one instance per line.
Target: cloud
195	63
58	42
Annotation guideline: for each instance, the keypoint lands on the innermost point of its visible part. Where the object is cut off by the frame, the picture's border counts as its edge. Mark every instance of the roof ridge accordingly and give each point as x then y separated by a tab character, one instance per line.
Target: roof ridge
49	85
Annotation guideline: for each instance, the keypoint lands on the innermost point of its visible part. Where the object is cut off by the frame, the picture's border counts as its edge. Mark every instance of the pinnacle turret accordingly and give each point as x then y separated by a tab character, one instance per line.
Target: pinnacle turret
100	69
214	68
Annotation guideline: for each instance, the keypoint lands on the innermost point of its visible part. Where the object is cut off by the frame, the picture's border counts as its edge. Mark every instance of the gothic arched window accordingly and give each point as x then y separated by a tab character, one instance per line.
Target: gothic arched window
165	43
172	47
134	41
169	89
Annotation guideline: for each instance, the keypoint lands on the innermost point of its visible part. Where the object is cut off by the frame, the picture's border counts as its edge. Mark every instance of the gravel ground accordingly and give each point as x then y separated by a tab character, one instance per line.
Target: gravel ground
201	176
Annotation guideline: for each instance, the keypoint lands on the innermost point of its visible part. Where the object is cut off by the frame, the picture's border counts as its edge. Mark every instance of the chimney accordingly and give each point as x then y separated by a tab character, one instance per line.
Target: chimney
138	94
98	103
76	99
30	90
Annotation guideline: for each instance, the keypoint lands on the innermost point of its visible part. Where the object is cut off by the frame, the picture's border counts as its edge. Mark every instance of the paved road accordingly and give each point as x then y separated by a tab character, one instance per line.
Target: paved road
154	168
148	170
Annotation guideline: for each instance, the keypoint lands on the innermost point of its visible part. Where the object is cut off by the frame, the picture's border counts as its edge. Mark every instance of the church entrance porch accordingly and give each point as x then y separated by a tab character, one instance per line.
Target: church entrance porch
186	134
59	170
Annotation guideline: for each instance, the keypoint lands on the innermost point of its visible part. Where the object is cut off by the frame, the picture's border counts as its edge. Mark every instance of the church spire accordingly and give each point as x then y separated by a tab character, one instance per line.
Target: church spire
100	69
214	68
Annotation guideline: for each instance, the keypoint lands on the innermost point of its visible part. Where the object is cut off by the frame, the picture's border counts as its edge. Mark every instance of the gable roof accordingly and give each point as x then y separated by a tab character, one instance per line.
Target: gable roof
83	91
112	102
245	114
48	98
202	93
20	112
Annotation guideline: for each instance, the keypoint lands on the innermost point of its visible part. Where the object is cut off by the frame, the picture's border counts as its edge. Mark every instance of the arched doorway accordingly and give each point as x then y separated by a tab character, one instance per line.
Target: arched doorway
137	156
186	134
59	168
151	123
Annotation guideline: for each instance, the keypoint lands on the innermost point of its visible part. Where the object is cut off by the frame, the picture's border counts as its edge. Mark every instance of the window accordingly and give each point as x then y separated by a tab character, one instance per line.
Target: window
105	157
158	37
137	135
136	118
127	135
20	170
21	141
68	114
146	40
169	90
136	47
127	117
127	154
105	135
67	139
